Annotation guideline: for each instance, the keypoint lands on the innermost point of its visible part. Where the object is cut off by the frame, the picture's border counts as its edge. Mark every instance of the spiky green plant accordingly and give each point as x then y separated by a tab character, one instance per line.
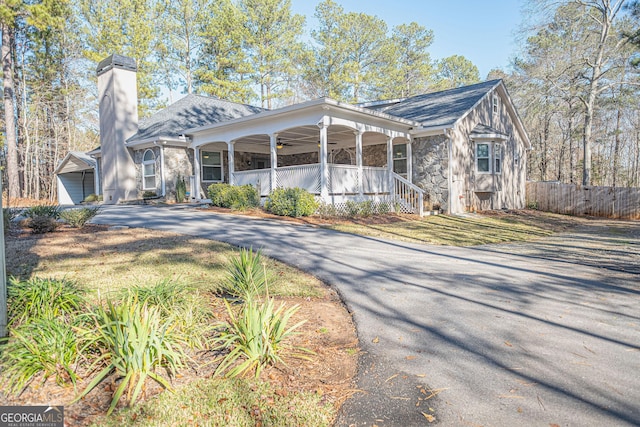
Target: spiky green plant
257	337
246	276
134	341
39	298
47	346
191	313
77	218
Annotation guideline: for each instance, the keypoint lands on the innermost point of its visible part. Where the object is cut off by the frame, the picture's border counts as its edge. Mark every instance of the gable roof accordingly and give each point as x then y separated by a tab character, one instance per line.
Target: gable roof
437	109
189	112
75	161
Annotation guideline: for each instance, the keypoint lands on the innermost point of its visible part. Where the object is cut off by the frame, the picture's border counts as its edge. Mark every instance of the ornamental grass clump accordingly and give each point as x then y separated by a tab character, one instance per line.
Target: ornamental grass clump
39	298
51	211
190	311
134	342
42	346
257	337
246	275
77	218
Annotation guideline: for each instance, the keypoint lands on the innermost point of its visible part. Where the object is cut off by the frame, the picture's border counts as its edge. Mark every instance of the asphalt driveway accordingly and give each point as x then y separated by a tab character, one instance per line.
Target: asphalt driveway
502	335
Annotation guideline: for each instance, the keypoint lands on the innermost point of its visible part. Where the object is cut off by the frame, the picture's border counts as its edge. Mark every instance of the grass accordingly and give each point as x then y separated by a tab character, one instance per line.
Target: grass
463	231
120	259
235	402
157	270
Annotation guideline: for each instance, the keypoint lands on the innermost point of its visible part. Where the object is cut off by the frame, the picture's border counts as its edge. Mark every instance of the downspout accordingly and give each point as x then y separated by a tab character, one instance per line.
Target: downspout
449	134
163	184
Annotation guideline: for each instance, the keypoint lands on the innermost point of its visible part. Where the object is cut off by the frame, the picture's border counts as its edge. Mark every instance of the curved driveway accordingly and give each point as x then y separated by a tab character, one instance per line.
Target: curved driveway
501	338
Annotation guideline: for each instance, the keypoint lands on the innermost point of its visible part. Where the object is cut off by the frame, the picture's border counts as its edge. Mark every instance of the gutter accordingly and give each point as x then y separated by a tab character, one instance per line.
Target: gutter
449	134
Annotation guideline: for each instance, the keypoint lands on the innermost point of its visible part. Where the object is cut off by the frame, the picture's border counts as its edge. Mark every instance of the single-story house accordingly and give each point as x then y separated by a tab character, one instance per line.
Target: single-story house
458	150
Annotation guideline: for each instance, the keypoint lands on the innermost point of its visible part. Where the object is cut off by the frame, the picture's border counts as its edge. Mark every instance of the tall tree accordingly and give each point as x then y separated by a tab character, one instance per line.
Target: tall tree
126	27
407	68
603	13
223	68
455	71
9	10
271	45
181	39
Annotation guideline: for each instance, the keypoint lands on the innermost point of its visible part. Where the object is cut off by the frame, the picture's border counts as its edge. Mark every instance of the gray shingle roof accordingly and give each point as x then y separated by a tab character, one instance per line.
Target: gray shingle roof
439	108
189	112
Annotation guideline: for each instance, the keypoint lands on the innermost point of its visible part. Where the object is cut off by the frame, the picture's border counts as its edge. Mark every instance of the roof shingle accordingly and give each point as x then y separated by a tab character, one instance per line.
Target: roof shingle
189	112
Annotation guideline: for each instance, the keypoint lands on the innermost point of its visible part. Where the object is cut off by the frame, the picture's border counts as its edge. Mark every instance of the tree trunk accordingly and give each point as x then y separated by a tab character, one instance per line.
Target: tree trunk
13	173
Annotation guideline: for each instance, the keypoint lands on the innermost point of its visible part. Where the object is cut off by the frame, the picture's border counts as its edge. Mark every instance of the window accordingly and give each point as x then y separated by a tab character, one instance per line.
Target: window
400	159
148	170
497	156
496	105
211	166
482	158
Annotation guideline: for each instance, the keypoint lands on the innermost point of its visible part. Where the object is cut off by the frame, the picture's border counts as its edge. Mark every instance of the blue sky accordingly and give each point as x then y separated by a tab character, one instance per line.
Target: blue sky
483	31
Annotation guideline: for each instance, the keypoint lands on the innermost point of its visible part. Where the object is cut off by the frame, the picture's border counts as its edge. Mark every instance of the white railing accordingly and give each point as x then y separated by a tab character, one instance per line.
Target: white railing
375	180
410	196
343	179
260	178
303	176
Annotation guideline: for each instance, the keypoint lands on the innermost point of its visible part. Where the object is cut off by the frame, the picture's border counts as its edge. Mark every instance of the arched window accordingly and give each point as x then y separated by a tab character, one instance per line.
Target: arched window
149	170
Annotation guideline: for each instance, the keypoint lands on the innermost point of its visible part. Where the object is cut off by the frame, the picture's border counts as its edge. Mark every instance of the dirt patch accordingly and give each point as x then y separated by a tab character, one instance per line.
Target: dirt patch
329	332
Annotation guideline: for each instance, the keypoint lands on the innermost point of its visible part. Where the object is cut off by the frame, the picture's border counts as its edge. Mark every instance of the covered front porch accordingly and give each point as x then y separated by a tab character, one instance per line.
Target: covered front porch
336	152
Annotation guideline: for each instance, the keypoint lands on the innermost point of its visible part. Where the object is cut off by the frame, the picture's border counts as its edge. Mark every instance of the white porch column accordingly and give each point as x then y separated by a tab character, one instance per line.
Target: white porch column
163	175
359	162
390	164
409	162
274	159
324	167
232	164
195	192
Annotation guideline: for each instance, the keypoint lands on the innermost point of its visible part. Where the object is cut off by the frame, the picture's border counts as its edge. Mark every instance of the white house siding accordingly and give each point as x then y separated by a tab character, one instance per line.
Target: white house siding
73	187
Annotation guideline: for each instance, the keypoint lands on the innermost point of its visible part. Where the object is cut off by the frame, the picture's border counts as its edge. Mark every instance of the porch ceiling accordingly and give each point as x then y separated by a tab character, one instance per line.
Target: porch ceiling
304	139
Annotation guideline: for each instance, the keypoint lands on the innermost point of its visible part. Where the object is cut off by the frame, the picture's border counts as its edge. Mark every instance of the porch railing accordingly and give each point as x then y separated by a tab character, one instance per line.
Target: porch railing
410	196
343	180
303	176
260	178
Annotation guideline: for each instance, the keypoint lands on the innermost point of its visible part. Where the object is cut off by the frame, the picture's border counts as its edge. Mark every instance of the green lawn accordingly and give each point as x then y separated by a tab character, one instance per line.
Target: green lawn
466	230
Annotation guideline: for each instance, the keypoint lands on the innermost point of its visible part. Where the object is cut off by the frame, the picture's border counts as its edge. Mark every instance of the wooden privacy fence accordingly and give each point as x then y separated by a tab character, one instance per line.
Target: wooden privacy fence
570	199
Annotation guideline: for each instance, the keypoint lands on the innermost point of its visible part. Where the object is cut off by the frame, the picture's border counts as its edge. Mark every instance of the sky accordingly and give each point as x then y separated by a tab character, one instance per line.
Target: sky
483	31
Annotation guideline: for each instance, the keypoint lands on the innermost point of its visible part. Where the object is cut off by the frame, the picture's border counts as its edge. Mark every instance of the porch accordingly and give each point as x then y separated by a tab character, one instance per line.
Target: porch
345	183
337	152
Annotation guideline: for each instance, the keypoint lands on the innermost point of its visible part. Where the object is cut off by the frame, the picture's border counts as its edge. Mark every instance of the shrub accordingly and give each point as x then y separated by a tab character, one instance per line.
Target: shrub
327	210
293	202
45	346
92	198
246	276
77	218
238	197
352	208
259	335
42	224
181	189
134	341
49	211
42	299
149	194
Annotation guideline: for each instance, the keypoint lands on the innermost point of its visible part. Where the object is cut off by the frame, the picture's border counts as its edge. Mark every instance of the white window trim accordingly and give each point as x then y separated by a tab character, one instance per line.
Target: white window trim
496	146
495	105
489	157
202	166
145	163
405	158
